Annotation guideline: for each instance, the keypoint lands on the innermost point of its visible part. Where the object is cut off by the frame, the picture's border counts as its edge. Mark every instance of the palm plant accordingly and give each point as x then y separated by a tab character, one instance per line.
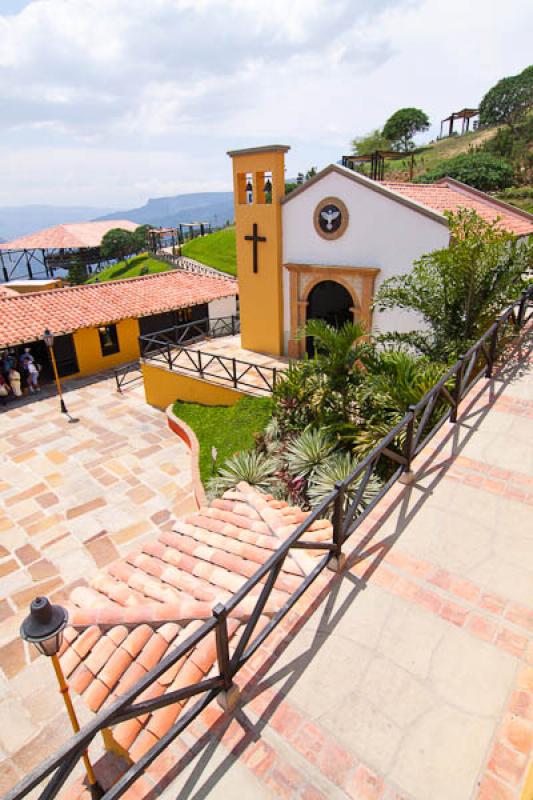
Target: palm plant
337	350
306	452
250	466
338	467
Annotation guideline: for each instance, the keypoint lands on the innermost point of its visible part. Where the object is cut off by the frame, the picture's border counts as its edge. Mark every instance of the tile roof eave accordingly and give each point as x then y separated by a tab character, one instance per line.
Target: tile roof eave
362	180
108	319
464	188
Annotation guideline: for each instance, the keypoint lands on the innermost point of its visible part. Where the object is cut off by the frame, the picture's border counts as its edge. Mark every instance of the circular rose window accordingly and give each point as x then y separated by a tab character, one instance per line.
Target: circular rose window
331	218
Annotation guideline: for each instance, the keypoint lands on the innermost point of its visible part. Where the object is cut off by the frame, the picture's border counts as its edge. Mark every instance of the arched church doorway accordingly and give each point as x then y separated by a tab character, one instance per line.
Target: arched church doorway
330	301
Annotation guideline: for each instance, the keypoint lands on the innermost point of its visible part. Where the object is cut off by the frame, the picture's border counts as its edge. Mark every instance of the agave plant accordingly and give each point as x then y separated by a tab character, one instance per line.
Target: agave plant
251	466
338	467
307	451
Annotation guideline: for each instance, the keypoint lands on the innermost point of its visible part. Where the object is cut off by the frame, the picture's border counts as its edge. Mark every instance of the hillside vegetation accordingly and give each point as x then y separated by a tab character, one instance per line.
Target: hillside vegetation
143	264
215	250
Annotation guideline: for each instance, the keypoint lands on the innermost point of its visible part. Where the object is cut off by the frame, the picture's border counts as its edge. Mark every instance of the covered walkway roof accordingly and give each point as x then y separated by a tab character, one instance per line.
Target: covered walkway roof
72	235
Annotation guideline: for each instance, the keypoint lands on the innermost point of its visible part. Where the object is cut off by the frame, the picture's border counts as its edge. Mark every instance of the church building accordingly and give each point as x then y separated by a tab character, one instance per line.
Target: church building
323	250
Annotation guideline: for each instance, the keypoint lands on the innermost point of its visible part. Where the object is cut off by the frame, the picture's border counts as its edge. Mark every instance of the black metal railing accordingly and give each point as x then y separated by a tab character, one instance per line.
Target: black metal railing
346	510
170	348
127	373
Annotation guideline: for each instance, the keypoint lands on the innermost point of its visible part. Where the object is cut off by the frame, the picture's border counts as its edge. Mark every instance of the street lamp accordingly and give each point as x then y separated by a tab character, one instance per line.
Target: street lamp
49	342
44	628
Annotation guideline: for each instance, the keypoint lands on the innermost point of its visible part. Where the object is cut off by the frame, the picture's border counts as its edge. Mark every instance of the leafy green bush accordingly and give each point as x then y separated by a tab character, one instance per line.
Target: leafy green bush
458	290
483	171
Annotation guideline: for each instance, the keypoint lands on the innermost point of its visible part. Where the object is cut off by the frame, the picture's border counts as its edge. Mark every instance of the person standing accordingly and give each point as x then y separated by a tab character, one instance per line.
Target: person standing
33	377
14	381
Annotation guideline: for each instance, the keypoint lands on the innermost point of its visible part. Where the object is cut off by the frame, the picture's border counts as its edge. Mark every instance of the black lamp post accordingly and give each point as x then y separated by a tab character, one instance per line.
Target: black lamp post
44	628
48	339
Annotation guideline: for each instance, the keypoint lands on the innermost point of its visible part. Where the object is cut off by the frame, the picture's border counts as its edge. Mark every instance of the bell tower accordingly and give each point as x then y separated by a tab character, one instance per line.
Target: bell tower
258	187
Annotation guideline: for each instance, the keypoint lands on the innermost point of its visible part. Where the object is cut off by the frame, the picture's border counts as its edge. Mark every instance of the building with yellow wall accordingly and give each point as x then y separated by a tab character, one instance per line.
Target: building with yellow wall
97	326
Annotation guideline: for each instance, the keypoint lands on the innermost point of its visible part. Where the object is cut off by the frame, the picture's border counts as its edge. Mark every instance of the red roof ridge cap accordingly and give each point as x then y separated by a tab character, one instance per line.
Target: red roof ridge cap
464	188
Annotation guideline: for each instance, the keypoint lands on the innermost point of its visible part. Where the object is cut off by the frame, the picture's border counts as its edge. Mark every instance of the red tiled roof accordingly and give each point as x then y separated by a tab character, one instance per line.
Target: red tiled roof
448	195
151	601
24	318
69	235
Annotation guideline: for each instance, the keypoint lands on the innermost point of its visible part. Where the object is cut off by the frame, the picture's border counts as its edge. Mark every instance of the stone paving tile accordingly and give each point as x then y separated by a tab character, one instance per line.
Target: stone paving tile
60	523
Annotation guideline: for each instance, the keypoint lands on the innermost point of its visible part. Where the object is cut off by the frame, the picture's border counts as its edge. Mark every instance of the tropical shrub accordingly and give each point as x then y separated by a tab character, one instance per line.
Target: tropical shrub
481	170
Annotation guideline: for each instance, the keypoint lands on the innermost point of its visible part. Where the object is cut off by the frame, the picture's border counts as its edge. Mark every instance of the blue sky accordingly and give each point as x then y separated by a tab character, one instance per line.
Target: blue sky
109	102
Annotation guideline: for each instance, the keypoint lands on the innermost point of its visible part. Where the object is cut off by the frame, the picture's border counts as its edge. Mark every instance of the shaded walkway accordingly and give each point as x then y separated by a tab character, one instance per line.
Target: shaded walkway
412	676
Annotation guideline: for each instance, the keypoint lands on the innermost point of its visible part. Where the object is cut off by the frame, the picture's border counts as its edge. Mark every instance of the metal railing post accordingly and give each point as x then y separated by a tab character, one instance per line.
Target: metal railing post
457	388
234	369
200	370
521	309
232	325
229	697
169	356
274	377
407	474
492	349
337	560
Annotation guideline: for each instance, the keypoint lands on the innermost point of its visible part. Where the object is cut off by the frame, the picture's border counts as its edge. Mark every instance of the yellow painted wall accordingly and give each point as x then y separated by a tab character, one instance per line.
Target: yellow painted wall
89	352
261	293
162	387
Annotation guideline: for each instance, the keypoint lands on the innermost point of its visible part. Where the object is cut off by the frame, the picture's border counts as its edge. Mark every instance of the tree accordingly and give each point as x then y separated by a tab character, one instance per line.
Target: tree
460	289
402	126
482	170
140	236
509	101
118	243
375	140
77	272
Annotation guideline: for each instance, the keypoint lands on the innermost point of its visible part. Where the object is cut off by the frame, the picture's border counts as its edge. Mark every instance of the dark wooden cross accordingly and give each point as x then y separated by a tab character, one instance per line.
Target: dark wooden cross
255	239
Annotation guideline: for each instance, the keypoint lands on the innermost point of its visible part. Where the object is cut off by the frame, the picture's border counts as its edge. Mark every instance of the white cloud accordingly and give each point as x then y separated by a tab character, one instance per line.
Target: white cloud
105	101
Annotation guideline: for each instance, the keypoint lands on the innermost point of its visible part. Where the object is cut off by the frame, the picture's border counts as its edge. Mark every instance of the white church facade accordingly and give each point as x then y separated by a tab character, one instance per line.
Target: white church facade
323	250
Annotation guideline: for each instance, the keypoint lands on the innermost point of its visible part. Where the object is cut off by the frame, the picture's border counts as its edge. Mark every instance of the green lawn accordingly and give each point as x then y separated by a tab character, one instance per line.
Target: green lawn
228	429
130	268
216	250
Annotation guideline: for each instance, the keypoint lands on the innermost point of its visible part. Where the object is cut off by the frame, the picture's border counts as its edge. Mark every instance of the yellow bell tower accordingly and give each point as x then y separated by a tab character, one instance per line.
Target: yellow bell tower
258	187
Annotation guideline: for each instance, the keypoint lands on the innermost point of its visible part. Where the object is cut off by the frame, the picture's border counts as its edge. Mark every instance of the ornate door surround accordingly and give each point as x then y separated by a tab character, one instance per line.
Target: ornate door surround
358	281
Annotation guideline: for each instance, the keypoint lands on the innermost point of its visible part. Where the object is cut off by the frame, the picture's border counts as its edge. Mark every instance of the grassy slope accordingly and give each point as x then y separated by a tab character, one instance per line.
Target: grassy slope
228	429
130	269
216	250
437	151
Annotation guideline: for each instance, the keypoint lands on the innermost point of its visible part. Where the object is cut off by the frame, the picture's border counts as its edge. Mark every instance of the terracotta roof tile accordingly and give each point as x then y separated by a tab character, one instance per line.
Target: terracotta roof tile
69	235
448	195
141	608
24	317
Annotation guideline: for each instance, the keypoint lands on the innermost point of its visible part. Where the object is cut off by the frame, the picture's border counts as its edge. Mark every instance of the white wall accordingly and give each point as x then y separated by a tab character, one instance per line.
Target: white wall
381	233
223	307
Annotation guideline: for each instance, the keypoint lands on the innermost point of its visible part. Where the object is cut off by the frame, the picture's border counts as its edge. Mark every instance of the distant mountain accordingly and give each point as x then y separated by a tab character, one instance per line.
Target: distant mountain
18	221
213	207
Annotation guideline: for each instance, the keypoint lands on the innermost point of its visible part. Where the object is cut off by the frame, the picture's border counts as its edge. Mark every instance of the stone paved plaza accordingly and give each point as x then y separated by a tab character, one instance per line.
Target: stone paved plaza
74	497
409	676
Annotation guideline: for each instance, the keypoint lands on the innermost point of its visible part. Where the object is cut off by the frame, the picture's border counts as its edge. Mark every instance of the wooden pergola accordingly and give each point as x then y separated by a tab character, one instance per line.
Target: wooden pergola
170	237
465	115
377	161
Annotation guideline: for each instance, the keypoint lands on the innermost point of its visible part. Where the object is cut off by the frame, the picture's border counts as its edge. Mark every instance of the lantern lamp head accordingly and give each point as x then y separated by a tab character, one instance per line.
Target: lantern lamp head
48	338
268	186
249	187
44	626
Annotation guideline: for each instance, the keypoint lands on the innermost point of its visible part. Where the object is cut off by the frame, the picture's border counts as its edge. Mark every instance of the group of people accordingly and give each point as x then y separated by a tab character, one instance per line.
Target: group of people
18	376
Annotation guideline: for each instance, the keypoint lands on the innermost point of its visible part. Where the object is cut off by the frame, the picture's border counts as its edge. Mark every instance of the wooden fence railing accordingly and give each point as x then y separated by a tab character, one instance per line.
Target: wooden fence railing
343	506
170	348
